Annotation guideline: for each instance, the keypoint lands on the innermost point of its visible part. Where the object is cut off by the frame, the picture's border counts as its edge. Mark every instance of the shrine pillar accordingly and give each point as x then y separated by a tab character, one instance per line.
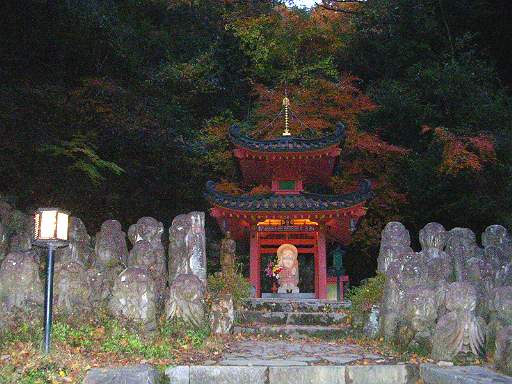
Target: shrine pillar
322	266
255	263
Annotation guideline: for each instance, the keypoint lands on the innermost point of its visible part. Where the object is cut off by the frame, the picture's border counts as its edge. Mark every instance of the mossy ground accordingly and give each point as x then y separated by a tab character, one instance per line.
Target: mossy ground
80	345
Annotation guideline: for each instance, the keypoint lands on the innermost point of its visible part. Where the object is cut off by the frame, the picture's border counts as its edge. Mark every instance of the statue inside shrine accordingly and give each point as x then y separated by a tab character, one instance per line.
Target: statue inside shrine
289	264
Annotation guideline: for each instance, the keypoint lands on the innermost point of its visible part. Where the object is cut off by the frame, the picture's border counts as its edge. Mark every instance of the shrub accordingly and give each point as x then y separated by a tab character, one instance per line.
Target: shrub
236	285
366	295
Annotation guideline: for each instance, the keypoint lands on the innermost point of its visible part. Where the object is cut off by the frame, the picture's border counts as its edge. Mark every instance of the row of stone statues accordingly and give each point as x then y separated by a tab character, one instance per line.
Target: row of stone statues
134	285
453	297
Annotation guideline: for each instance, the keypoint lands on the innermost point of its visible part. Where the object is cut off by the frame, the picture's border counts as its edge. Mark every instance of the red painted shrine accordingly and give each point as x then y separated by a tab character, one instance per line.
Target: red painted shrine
289	214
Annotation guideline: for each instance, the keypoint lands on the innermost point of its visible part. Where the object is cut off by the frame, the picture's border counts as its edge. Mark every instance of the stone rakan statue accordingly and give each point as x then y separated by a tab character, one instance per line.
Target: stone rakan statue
228	255
460	329
289	275
186	300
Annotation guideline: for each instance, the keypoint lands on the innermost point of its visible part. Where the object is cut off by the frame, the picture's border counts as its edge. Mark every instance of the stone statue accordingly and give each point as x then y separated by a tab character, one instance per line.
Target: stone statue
186	300
420	314
148	252
72	290
110	258
222	315
110	248
4	242
5	211
20	286
197	246
395	242
503	356
134	298
460	330
289	276
500	312
461	246
504	275
79	249
21	241
392	301
146	228
22	232
187	246
228	255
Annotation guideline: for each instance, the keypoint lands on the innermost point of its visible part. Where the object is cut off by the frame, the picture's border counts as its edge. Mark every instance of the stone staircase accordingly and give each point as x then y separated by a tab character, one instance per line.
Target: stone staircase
294	318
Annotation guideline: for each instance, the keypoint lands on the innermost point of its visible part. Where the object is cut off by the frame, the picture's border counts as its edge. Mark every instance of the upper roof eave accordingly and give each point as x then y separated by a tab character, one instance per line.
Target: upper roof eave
288	143
287	203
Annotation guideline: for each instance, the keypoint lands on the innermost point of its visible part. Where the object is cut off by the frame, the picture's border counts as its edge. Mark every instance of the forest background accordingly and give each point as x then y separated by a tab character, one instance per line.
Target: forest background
121	108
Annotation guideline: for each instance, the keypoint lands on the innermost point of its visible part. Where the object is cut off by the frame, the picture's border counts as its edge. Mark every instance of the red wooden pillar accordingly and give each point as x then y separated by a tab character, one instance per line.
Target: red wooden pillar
316	266
255	263
322	266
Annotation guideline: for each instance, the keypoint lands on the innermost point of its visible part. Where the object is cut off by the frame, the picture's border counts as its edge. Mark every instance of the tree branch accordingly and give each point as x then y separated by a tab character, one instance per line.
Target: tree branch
335	5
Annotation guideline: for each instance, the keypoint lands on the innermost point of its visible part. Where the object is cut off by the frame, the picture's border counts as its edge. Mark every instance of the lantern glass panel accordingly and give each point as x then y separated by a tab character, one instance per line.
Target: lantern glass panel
62	226
48	224
37	224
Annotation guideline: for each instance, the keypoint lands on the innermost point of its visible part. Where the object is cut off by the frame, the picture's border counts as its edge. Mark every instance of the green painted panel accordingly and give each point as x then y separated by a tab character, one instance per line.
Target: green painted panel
287	185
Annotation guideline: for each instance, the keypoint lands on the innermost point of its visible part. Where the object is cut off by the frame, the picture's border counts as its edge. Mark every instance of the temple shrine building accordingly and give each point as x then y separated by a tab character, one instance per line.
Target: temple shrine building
289	214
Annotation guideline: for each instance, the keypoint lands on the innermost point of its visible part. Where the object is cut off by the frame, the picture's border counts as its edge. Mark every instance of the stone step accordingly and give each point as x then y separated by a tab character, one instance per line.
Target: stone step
433	374
292	318
296	305
353	374
297	331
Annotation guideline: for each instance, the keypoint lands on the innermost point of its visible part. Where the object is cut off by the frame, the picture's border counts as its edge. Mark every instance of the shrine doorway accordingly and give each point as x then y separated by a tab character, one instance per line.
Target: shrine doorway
311	253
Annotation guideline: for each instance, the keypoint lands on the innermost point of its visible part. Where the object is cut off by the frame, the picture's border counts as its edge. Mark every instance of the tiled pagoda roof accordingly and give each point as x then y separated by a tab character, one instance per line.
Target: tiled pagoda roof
300	202
287	143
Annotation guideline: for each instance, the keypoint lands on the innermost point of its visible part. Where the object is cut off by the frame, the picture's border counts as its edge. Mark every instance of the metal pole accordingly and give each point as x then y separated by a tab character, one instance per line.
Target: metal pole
338	288
48	300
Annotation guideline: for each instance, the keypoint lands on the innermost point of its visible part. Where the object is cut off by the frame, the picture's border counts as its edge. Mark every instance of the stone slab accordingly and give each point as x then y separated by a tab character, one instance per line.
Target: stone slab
291	352
178	375
262	362
333	332
138	374
433	374
291	318
296	305
288	295
227	375
342	360
382	374
307	375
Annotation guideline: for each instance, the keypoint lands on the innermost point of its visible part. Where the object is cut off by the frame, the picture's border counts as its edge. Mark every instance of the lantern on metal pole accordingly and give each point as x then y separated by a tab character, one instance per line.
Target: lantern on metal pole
339	269
50	231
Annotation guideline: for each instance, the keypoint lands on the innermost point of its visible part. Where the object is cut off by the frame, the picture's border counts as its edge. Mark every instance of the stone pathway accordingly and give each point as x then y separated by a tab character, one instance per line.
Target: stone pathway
296	353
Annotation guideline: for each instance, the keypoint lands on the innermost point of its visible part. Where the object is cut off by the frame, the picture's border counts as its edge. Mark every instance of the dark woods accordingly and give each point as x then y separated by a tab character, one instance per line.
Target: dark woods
120	108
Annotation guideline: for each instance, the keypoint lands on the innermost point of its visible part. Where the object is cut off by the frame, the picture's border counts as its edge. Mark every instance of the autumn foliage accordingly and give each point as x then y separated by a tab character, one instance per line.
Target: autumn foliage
464	152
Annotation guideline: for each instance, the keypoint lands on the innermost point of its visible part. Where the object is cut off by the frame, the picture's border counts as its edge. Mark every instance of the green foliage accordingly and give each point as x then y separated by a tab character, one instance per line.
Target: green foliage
25	332
83	158
119	339
44	374
76	336
366	295
183	334
236	285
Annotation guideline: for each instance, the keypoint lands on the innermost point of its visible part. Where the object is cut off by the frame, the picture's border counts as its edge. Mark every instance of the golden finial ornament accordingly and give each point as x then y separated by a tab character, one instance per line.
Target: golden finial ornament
286	105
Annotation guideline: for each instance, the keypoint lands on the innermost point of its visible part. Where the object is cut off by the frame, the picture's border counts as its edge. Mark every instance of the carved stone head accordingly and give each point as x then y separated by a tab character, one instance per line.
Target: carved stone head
461	296
433	235
496	235
421	308
395	234
287	256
